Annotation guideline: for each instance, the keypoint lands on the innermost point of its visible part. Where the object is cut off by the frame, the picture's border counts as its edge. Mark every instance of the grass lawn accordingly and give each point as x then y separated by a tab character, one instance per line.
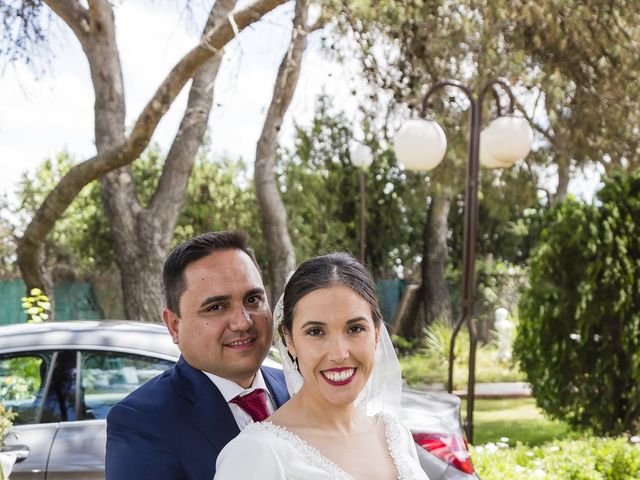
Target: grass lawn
519	420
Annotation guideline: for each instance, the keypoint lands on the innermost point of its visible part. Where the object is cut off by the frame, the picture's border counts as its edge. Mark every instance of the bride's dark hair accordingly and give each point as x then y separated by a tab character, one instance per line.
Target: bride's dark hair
328	271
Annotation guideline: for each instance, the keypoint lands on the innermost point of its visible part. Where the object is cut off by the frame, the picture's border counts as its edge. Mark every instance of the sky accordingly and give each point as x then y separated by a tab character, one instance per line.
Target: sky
42	115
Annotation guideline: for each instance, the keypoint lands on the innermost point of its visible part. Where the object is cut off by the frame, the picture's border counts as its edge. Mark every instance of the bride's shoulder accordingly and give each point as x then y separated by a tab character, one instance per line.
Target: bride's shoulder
260	429
262	438
266	431
387	419
265	450
395	431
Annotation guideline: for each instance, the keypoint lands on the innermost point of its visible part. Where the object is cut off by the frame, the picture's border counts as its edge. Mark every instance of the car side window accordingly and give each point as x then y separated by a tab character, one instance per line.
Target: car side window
23	379
107	377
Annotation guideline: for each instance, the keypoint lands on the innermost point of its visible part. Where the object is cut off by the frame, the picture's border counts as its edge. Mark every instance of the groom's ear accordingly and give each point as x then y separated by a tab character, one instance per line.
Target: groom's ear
172	321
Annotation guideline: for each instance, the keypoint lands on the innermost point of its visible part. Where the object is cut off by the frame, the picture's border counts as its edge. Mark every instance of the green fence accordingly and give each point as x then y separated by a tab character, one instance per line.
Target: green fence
77	300
389	293
73	301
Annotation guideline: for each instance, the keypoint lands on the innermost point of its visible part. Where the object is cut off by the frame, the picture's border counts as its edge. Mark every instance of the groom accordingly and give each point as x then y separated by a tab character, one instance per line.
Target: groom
174	426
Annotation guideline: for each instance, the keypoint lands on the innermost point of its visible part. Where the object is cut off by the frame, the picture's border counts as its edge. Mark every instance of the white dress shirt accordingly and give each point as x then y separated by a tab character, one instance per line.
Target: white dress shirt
231	390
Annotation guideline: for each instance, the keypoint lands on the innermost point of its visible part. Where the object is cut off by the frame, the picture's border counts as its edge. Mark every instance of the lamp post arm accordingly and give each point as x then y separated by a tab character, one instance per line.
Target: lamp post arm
439	85
504	84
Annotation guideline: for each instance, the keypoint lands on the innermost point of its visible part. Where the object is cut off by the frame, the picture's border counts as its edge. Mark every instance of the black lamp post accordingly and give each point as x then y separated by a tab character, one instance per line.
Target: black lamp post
361	157
420	144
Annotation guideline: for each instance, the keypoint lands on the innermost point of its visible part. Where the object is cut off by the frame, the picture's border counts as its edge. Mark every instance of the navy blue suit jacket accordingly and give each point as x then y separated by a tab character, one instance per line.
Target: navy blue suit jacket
174	426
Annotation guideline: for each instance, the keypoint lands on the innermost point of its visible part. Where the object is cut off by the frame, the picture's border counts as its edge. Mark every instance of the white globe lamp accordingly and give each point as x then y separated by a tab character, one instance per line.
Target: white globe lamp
486	157
420	144
361	155
508	139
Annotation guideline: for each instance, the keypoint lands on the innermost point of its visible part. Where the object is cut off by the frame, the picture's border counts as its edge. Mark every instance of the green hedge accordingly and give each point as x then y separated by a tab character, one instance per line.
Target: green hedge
588	459
579	334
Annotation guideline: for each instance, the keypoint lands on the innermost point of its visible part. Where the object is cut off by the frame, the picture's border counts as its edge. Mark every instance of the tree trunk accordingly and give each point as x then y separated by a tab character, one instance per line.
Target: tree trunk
436	298
274	216
142	236
564	175
91	25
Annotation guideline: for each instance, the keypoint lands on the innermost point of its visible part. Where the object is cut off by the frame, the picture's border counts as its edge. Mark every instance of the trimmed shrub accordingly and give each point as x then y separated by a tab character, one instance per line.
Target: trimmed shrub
587	459
579	336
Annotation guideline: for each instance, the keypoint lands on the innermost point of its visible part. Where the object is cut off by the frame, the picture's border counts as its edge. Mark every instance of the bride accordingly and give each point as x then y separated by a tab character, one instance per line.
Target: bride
344	381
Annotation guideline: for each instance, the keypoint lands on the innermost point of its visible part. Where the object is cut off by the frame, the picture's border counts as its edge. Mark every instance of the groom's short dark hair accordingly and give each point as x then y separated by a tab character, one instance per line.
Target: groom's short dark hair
173	281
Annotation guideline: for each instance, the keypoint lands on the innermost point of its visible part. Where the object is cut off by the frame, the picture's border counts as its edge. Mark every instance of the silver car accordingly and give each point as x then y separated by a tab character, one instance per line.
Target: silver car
62	378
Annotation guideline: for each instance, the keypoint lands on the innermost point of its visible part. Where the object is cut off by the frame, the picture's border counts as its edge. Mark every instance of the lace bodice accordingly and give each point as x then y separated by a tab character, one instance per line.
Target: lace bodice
398	438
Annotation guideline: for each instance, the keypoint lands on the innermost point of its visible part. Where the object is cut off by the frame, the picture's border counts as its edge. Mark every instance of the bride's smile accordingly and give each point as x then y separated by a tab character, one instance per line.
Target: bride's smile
339	376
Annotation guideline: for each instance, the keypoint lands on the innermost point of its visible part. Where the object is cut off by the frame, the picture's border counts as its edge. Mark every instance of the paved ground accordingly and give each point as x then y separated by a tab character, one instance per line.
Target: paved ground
491	390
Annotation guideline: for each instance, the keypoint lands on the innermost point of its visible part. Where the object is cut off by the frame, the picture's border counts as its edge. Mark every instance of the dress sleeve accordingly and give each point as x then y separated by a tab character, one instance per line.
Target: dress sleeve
410	443
250	457
406	455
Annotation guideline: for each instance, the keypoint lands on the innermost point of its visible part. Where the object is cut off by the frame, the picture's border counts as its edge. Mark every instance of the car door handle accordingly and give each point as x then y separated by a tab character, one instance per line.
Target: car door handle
21	451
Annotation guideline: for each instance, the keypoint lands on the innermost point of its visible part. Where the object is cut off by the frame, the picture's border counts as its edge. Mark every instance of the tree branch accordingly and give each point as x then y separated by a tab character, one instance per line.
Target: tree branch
544	131
179	163
274	215
73	14
120	155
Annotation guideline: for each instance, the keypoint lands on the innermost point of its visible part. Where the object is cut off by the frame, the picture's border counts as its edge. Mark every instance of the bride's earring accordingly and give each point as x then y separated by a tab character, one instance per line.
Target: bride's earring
294	360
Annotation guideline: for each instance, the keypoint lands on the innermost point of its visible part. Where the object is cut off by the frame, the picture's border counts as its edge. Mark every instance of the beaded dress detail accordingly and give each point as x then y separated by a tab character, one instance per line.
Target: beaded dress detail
396	439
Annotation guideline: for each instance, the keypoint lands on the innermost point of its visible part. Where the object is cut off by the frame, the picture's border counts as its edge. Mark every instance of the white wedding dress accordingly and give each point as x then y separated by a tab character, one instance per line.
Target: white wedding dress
265	451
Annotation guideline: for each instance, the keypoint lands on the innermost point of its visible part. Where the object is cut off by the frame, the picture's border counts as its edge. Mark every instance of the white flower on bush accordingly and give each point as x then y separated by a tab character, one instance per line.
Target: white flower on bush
538	473
492	447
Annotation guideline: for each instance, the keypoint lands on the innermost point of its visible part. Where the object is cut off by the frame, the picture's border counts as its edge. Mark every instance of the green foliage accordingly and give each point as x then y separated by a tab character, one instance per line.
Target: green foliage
36	306
320	189
404	346
219	196
579	334
424	369
20	378
430	363
575	60
587	56
510	217
8	243
80	239
591	458
6	421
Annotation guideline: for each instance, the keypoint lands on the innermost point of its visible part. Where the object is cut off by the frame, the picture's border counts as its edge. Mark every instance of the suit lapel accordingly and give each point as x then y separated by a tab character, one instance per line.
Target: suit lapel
276	385
211	413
